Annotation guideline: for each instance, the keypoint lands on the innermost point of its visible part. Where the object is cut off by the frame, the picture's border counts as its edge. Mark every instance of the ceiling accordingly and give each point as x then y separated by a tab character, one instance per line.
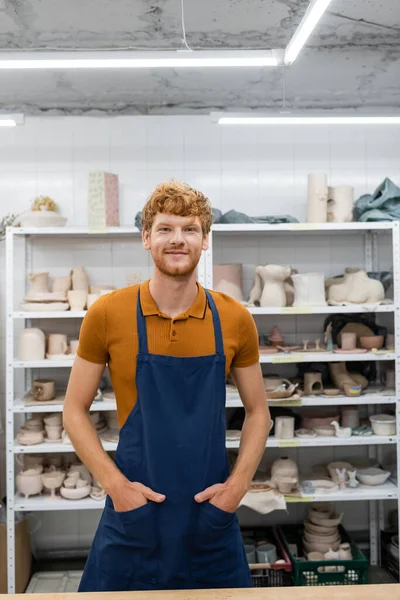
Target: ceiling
352	61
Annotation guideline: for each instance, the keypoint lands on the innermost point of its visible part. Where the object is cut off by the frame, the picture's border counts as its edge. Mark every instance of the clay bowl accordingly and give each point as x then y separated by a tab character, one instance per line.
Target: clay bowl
326	522
75	493
371	341
315	556
318	529
320	546
36	470
29	485
325	539
327	430
30	438
53	480
70	483
53	419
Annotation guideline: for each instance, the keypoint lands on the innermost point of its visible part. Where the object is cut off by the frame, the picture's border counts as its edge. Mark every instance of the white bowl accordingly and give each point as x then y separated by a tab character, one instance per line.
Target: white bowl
75	493
383	424
372	476
42	218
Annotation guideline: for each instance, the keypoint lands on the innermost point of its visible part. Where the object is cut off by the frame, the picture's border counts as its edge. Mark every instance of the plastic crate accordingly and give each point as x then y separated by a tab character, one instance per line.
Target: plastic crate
314	573
270	575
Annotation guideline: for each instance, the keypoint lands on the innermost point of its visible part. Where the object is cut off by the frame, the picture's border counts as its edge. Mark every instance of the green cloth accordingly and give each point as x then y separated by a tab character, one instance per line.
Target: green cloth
382	205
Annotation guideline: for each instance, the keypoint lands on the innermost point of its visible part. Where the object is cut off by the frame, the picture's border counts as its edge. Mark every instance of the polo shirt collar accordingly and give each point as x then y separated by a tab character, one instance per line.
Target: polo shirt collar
149	307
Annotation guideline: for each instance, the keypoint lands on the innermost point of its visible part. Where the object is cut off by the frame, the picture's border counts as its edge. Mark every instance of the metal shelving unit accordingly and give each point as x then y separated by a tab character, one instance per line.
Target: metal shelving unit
15	403
373	397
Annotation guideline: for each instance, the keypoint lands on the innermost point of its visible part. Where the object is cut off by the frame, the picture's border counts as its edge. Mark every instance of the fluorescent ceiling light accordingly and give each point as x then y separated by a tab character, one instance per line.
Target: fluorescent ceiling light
11	120
313	14
138	60
254	120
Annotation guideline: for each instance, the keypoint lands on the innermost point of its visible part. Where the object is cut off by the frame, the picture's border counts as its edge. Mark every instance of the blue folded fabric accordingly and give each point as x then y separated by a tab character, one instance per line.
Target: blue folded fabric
382	205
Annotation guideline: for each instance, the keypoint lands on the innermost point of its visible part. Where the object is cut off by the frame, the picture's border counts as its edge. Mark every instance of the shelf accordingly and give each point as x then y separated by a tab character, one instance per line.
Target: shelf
362	493
321	310
299	227
374	395
324	441
75	231
20	407
57	447
43	503
298	357
50	314
42	364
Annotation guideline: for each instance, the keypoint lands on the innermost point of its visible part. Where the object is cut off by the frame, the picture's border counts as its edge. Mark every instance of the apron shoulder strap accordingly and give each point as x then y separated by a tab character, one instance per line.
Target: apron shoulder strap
219	342
141	327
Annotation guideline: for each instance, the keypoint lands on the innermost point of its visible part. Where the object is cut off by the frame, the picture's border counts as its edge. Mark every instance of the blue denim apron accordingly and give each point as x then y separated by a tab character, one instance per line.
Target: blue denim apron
173	442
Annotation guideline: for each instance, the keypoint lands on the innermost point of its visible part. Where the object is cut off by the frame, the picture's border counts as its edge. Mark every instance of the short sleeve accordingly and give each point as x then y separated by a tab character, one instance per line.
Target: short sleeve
247	353
92	336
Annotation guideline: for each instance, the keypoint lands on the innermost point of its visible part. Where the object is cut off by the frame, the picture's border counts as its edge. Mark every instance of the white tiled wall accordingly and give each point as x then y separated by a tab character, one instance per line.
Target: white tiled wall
256	170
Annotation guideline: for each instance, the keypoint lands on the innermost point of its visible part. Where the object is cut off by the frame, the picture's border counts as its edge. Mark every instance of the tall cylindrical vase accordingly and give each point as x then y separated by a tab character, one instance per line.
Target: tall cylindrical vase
340	204
317	199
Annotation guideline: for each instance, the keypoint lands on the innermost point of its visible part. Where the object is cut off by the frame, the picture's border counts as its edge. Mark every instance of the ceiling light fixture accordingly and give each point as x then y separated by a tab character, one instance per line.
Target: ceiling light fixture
313	14
11	120
226	119
139	60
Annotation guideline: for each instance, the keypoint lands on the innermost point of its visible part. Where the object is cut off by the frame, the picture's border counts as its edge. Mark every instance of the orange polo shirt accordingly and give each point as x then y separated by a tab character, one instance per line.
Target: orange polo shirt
109	334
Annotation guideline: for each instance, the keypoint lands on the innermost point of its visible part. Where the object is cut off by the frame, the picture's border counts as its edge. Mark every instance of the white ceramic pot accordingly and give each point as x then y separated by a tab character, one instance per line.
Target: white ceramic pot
31	344
340	204
372	476
383	424
284	428
42	218
75	493
309	289
29	484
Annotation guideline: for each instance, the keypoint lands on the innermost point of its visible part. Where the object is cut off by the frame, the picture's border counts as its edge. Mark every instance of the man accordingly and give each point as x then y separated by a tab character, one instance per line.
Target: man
169	520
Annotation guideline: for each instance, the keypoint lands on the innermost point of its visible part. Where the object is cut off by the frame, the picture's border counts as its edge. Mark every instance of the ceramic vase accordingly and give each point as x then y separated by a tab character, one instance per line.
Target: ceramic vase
309	289
340	204
80	280
317	198
31	344
228	280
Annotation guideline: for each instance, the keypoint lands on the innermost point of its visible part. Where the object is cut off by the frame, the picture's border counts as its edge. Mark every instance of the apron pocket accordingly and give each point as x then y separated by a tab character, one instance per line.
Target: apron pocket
127	546
218	547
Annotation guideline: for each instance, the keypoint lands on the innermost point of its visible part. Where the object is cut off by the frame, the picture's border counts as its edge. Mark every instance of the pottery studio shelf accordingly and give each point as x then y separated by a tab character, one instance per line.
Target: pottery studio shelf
374	395
235	228
42	364
320	310
324	441
49	314
387	491
298	357
75	231
56	447
21	407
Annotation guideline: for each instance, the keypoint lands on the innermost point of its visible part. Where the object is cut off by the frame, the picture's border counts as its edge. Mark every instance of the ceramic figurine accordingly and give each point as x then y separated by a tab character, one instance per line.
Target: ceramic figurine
309	289
317	198
275	338
340	376
341	432
228	280
341	475
284	468
356	288
340	204
273	292
353	483
328	338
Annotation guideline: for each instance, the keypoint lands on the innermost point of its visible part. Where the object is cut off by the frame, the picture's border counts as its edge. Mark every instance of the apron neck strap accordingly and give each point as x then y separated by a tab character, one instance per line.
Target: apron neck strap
142	333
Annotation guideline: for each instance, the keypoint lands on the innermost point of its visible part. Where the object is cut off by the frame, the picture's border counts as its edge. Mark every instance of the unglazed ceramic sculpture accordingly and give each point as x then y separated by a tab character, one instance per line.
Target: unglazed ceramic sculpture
273	291
313	384
340	376
275	337
340	204
58	343
309	289
77	299
228	280
284	428
317	198
32	344
75	493
28	483
80	279
39	284
52	481
356	288
43	389
61	284
284	468
341	432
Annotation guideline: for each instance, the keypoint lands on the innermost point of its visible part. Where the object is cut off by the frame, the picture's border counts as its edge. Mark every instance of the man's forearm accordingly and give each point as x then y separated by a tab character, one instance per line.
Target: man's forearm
253	440
88	447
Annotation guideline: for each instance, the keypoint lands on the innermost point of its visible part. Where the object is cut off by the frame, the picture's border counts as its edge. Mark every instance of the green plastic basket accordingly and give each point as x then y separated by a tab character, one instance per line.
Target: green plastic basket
313	573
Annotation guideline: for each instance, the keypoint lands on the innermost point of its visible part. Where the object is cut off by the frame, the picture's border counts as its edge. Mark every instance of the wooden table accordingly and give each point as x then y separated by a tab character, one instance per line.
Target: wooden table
346	592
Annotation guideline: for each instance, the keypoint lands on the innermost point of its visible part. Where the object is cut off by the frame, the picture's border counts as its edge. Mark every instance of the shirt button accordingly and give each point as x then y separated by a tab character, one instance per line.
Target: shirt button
174	332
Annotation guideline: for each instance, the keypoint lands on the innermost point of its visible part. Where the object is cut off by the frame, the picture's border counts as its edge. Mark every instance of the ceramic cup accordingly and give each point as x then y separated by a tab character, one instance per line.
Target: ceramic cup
250	553
266	553
43	389
77	299
74	346
53	431
57	343
349	341
91	299
350	417
284	428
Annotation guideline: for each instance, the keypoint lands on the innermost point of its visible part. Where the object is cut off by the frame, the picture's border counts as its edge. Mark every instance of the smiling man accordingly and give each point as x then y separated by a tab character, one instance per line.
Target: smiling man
169	520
